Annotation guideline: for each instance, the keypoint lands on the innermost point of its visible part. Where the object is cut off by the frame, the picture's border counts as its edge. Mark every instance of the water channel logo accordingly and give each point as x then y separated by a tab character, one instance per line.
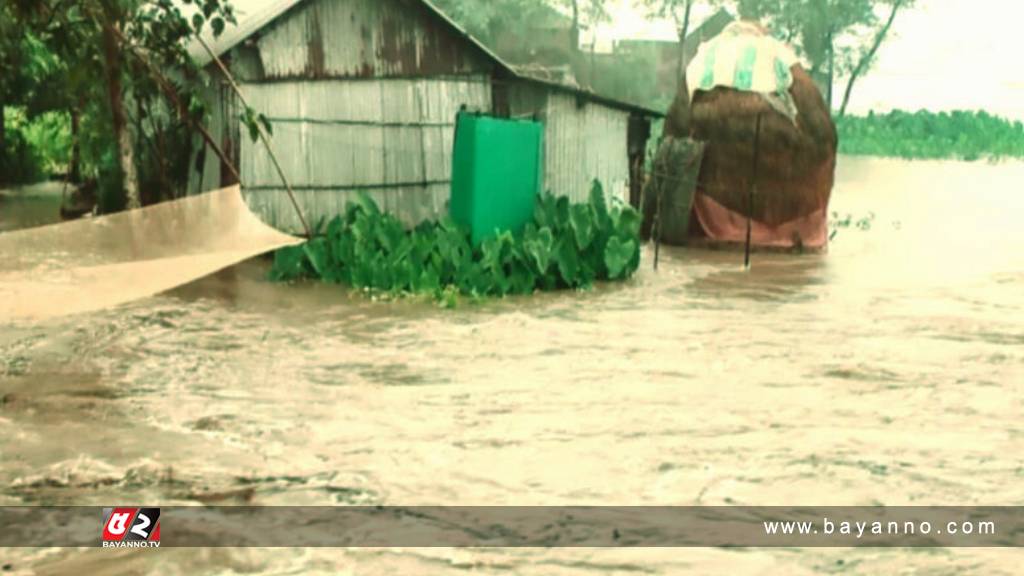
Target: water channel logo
131	528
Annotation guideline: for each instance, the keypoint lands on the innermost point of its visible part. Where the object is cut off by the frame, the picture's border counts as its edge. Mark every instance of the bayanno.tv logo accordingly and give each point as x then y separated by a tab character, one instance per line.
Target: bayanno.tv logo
131	527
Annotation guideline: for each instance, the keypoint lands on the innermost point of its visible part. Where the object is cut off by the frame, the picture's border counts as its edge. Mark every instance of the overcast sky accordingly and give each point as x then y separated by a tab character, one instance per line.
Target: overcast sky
944	54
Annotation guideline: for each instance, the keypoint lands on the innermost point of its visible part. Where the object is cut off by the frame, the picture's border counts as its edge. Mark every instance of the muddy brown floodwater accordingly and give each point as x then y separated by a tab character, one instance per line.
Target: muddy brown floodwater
888	371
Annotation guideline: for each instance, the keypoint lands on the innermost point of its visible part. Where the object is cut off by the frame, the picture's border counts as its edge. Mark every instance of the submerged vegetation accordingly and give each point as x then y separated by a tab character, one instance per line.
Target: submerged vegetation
847	222
565	246
929	135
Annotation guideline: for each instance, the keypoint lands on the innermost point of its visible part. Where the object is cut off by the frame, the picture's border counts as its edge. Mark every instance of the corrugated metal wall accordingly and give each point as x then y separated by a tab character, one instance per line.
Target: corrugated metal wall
583	141
363	95
393	138
365	38
389	137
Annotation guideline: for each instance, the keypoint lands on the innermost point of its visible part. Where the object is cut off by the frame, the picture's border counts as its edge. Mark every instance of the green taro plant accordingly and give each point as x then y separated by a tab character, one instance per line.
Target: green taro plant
565	246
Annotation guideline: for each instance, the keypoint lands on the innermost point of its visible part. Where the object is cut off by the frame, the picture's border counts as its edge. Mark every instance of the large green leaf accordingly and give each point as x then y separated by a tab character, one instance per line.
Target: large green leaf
335	228
627	222
390	233
381	274
447	224
491	249
406	275
496	282
364	230
317	254
423	246
428	282
568	260
599	206
318	229
472	279
545	212
366	203
538	247
522	280
562	210
362	273
289	264
402	251
454	246
587	274
581	220
617	255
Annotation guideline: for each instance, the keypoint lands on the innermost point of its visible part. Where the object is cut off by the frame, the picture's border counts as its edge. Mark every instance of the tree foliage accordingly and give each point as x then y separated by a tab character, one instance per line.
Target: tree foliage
838	38
677	10
28	66
110	65
929	135
483	18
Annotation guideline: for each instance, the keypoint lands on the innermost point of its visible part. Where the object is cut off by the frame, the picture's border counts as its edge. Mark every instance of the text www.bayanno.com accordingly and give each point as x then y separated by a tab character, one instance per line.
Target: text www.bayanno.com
861	529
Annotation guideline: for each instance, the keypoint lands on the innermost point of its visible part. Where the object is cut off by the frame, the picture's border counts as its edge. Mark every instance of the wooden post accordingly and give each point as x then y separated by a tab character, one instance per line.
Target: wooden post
657	223
753	192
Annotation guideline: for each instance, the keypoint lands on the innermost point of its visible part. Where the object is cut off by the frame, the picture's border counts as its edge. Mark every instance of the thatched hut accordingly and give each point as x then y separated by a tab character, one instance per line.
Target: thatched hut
736	77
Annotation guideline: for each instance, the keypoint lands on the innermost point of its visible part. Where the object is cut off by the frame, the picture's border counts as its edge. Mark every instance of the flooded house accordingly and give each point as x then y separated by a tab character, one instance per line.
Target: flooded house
362	96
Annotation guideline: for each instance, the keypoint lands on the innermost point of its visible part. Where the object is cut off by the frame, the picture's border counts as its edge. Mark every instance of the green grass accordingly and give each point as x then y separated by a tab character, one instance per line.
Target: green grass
929	135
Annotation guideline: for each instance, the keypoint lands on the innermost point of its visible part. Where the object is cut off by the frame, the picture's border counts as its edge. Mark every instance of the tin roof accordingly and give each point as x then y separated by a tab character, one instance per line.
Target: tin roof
255	15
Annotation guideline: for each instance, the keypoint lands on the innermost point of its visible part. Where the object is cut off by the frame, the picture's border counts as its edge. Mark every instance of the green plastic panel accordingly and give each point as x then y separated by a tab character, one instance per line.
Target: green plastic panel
496	173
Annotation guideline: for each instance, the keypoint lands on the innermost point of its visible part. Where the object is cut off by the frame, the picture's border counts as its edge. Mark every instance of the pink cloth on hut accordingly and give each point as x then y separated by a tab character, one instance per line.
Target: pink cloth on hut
720	224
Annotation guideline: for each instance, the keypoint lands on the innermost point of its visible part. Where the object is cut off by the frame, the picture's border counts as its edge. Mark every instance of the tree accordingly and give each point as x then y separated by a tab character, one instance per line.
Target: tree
482	17
868	57
679	12
491	19
585	14
110	18
129	39
20	61
837	37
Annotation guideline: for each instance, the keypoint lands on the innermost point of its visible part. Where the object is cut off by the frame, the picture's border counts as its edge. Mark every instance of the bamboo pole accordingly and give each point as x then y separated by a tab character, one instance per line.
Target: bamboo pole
263	136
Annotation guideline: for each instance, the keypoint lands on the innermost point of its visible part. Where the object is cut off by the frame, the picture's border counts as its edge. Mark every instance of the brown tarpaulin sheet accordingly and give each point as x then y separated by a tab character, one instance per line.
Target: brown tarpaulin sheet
720	224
